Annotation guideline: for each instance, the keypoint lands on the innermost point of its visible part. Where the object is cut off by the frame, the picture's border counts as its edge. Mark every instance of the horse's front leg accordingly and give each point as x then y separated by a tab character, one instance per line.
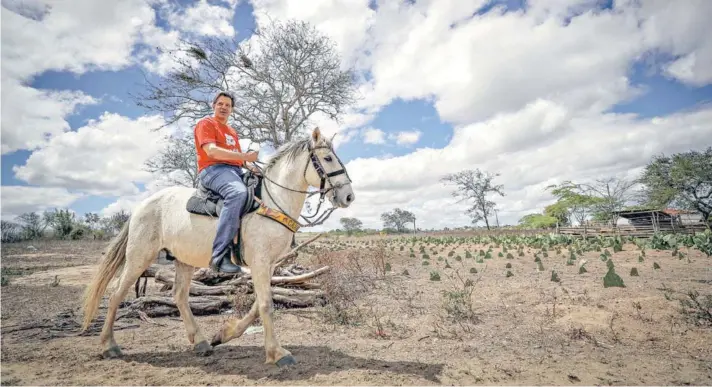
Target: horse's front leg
261	277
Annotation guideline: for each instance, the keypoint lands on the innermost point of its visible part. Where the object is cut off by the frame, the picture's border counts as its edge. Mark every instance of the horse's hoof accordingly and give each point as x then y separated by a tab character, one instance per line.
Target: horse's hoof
286	360
217	340
112	353
203	348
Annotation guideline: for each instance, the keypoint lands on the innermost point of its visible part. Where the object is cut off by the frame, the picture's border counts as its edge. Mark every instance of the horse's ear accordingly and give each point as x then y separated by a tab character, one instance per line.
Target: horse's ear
316	135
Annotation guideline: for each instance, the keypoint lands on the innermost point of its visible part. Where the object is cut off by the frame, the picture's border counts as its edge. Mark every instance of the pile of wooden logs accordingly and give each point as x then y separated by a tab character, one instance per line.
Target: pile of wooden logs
212	293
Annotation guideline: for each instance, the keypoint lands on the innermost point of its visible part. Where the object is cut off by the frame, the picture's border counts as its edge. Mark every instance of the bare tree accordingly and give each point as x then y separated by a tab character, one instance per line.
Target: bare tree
11	231
118	219
32	225
283	75
613	194
178	161
475	185
92	220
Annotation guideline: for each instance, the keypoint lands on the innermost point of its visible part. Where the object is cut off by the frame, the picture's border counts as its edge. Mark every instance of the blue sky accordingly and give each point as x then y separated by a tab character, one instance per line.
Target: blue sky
432	109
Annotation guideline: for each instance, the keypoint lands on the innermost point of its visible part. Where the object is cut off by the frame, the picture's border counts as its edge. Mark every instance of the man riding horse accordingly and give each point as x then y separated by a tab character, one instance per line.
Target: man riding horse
181	221
220	159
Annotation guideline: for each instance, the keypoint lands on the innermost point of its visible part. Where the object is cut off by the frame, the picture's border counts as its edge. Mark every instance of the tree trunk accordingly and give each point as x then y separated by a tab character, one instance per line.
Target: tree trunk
706	218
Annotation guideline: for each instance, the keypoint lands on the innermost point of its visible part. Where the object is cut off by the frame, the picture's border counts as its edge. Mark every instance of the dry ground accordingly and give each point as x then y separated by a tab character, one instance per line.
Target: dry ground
388	329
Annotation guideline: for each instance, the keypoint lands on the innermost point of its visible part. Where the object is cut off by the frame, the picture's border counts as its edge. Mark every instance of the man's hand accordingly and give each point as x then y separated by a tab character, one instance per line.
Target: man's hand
251	156
253	169
214	151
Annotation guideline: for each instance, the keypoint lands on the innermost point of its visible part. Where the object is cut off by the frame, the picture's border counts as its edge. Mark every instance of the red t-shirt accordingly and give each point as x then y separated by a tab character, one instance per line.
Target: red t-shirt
211	130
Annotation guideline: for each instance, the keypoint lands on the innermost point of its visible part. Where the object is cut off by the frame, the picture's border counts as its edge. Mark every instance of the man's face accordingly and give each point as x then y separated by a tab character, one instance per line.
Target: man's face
223	107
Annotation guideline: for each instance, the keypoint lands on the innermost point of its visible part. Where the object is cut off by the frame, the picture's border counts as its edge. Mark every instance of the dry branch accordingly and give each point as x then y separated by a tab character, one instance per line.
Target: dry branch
210	291
293	252
157	306
299	278
64	324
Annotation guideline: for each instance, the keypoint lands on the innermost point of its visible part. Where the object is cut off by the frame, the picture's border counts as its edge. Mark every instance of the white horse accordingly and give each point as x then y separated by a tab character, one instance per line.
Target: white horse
161	221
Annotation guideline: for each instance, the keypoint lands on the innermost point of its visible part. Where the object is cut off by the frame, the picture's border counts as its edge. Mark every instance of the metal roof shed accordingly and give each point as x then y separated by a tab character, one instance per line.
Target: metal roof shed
657	219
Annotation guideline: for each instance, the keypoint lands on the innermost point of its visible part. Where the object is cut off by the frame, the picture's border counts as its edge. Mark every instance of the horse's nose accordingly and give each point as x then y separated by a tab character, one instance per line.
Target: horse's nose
349	198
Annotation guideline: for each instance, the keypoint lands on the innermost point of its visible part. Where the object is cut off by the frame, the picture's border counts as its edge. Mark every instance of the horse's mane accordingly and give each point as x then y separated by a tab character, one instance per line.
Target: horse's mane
291	150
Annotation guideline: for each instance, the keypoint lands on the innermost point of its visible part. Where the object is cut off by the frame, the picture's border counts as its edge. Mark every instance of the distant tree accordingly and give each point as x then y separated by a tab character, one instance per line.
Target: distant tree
285	74
92	220
580	206
537	221
397	219
177	163
613	194
106	228
118	220
113	223
558	211
61	221
351	225
474	186
32	225
11	232
683	180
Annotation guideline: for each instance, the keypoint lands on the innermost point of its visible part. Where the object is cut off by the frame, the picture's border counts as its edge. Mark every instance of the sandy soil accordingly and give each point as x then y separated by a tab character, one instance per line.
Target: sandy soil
518	330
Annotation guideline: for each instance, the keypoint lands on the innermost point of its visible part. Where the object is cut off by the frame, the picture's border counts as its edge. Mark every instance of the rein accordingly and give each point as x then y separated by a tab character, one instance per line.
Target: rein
325	177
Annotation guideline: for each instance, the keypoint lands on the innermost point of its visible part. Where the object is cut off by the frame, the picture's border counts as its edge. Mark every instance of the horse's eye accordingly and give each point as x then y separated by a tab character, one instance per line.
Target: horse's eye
328	158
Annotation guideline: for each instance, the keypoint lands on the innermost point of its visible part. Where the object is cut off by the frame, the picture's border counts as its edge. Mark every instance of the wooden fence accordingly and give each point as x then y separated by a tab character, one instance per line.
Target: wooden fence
494	231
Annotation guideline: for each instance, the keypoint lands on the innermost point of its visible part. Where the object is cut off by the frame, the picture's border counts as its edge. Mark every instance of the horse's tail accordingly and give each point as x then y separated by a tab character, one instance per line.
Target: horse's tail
112	263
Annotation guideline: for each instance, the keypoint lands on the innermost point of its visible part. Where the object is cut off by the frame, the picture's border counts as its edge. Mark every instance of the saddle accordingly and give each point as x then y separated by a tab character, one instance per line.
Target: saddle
207	202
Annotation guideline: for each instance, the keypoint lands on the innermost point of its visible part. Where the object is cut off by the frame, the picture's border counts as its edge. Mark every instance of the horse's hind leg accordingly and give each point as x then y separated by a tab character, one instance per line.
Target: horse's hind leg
234	328
181	290
133	269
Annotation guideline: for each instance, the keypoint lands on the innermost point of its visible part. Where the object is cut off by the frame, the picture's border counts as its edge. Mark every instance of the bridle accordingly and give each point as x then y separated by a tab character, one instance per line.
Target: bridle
325	177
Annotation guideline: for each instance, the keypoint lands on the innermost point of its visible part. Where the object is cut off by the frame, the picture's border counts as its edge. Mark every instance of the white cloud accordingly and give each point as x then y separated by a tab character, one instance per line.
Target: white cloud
374	136
32	9
204	19
408	137
680	30
346	22
75	36
582	149
17	200
486	65
691	70
475	67
345	129
31	116
105	157
81	36
159	61
128	202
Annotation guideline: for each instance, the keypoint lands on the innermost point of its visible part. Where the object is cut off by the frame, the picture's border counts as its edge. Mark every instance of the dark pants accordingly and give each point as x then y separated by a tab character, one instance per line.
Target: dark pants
226	180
